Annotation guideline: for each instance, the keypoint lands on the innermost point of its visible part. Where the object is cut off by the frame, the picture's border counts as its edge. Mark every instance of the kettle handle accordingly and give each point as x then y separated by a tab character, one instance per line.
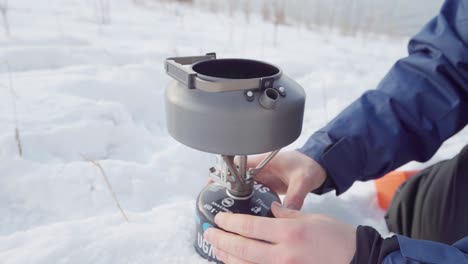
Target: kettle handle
175	68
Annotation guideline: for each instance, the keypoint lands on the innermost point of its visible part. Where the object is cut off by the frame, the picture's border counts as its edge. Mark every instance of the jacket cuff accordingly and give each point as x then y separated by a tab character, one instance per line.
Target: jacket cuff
371	247
314	148
342	160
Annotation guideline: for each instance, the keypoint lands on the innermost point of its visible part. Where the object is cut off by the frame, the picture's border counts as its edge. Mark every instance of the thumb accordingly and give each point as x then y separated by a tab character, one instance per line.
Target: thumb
280	211
295	195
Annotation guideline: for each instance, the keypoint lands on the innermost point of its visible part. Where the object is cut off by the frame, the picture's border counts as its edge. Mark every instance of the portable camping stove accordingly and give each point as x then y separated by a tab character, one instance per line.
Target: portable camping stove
233	108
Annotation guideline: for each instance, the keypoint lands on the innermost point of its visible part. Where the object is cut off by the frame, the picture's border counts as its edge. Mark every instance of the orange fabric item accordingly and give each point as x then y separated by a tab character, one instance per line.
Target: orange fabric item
388	185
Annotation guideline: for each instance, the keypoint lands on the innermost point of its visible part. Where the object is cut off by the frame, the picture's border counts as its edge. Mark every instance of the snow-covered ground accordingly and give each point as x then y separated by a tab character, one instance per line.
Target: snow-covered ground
87	90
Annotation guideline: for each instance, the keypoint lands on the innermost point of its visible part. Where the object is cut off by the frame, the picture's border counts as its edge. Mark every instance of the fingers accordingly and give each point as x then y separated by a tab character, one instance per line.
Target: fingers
254	160
296	193
239	247
229	259
255	227
282	212
267	176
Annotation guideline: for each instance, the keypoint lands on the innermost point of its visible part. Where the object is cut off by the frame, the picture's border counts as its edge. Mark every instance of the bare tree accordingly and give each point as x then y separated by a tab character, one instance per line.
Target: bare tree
279	17
333	14
266	11
138	2
232	7
214	6
280	13
247	10
102	11
4	12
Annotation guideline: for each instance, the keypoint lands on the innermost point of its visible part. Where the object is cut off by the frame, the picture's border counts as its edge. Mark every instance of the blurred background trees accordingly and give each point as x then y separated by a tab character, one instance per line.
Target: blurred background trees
396	17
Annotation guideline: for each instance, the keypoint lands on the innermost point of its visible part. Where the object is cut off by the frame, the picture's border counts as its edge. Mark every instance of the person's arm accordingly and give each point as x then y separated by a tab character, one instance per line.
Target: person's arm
372	248
420	103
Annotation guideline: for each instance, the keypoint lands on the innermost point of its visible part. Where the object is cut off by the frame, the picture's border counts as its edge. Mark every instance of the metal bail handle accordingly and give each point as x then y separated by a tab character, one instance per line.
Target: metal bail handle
175	68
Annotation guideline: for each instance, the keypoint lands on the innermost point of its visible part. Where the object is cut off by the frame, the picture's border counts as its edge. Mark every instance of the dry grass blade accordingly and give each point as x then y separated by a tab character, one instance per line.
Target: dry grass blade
18	142
109	186
4	12
15	112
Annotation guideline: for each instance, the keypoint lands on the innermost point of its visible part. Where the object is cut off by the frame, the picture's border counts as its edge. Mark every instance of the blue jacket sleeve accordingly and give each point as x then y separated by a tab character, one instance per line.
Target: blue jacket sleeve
419	251
420	103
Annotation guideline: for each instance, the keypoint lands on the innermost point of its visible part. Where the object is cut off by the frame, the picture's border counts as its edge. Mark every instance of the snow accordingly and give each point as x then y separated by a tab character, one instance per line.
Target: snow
84	89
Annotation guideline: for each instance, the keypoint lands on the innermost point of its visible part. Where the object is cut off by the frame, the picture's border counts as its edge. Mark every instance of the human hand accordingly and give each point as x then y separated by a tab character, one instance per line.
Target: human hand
291	237
291	173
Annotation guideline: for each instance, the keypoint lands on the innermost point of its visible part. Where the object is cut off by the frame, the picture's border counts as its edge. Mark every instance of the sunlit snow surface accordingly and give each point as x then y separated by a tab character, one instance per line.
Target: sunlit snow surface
83	89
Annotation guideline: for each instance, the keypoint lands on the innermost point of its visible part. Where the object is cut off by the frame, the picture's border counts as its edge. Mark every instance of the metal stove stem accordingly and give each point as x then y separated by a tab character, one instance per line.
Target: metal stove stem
238	180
